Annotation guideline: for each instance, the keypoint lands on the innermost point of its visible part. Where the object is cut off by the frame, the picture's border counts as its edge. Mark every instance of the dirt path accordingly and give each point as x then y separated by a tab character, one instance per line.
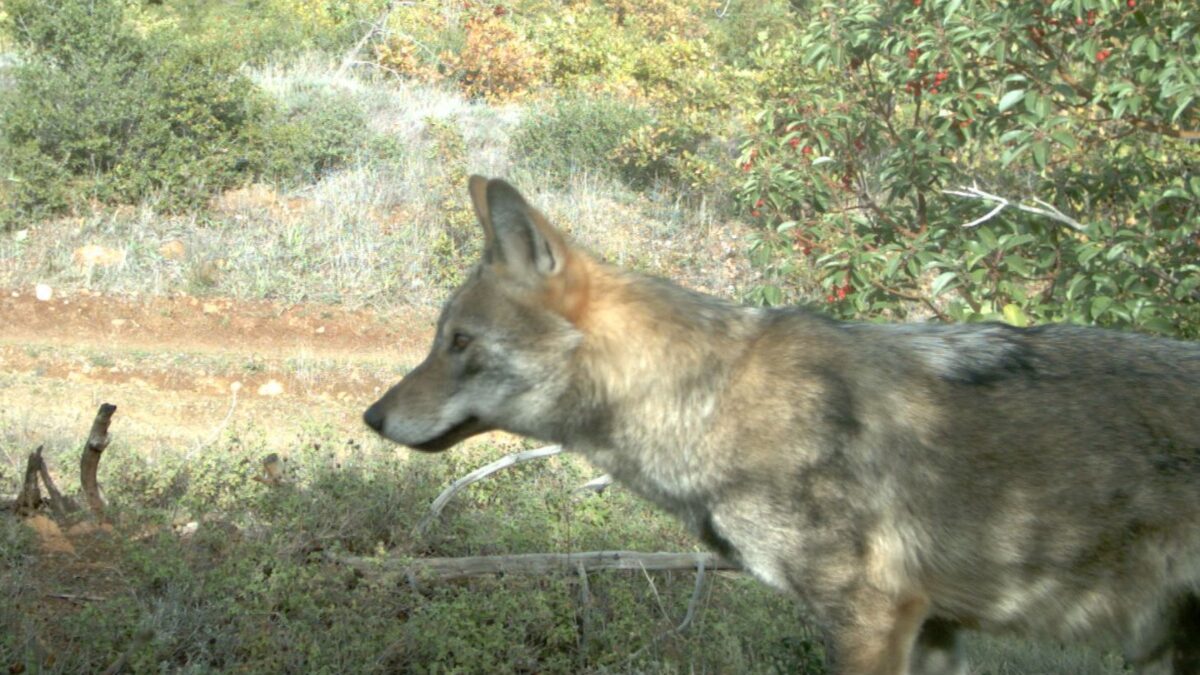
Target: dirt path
178	367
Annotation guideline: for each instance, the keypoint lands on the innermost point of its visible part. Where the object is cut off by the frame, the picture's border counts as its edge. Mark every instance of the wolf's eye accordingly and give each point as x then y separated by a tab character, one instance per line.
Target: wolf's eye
459	342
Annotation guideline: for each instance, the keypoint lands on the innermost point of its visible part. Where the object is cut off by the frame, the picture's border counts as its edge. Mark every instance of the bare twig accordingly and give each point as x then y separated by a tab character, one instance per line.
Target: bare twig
377	26
597	485
1048	210
657	597
1044	209
585	605
533	563
96	443
31	495
691	610
482	472
71	597
62	505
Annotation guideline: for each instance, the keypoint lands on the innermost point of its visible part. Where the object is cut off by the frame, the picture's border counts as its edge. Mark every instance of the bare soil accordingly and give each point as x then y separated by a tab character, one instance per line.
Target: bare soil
173	365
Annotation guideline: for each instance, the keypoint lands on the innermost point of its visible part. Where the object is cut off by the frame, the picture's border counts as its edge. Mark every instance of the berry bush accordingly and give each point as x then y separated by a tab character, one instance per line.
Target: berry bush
1027	162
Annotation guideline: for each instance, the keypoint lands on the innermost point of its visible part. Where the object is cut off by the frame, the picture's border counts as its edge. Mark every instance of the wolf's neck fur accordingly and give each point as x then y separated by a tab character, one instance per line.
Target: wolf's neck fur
655	362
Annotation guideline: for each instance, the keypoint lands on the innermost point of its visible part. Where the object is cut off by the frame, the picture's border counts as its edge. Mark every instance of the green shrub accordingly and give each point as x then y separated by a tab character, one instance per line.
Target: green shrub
1085	113
99	111
311	133
574	135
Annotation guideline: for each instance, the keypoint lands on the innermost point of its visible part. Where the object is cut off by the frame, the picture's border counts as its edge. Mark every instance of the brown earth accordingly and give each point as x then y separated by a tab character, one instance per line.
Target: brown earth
178	367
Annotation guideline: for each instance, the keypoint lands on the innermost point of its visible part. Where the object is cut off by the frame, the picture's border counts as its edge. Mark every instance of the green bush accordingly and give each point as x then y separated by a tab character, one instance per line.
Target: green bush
99	111
574	135
1084	113
311	133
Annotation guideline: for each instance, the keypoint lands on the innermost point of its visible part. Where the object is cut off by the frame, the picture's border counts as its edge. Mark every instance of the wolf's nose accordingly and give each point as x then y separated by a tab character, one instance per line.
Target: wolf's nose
373	417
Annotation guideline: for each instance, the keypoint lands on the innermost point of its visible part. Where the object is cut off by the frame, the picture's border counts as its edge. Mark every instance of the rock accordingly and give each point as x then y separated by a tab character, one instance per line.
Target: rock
173	250
95	255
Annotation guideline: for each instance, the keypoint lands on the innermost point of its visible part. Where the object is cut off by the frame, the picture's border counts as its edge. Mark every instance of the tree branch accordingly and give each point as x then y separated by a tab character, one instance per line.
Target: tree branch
442	569
1044	209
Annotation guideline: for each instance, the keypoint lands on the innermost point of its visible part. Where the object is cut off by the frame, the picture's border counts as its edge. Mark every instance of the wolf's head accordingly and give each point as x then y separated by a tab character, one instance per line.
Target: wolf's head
505	339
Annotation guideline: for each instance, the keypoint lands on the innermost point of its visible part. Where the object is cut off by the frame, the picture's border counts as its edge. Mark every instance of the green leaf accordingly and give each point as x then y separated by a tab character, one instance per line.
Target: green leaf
1041	154
1015	316
1011	98
1100	305
941	282
951	9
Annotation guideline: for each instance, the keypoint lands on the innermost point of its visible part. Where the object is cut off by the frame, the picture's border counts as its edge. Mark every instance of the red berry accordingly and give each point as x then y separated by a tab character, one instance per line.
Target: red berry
830	298
1103	54
1131	4
747	166
755	213
758	203
806	151
794	142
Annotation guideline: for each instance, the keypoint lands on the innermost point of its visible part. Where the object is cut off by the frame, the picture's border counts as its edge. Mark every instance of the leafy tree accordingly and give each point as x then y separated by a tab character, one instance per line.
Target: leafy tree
1081	115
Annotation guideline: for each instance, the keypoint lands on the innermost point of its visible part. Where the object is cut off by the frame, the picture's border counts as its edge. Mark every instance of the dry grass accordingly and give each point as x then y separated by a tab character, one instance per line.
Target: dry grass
362	235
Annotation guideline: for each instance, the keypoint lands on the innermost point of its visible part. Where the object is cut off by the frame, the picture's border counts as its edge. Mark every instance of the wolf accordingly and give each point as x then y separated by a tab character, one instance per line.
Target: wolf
903	481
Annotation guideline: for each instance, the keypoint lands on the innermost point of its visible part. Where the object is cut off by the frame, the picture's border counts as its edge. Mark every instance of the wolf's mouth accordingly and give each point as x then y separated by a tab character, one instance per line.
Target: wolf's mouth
455	434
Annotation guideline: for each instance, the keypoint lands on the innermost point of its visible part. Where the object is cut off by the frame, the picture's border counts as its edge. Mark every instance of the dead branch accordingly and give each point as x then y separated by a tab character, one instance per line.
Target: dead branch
691	609
31	495
1047	210
1043	208
377	26
96	443
62	505
482	472
442	569
597	485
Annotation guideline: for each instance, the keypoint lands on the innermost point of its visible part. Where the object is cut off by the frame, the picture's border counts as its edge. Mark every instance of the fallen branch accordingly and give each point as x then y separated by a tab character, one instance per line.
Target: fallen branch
597	485
442	569
62	505
96	443
482	472
31	495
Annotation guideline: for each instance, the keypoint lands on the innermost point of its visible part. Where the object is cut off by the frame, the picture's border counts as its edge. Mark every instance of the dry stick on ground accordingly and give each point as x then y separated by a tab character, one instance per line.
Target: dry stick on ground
63	506
533	563
96	443
435	510
31	495
482	472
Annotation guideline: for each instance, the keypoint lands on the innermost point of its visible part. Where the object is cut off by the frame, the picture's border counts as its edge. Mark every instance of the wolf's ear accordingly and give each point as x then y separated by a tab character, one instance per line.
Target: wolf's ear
517	235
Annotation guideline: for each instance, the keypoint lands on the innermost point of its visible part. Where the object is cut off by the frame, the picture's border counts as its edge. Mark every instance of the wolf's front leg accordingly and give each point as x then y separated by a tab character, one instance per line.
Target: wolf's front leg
938	651
876	633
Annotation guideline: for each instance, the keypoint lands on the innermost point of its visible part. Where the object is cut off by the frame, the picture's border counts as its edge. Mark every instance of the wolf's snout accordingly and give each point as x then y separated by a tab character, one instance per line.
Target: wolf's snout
373	418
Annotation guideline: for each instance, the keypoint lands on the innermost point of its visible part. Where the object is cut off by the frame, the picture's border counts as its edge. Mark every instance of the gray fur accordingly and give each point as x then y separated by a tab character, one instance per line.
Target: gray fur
905	481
